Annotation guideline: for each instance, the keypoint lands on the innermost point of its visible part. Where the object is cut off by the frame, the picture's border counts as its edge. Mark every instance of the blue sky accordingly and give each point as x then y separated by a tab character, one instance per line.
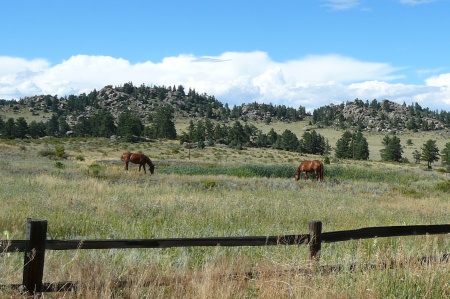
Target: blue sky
305	52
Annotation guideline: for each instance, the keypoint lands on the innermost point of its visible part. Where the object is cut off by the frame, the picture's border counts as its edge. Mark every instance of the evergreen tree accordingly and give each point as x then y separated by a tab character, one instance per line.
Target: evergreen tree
289	141
21	128
105	126
272	137
417	156
52	126
9	129
63	126
312	143
430	152
129	125
445	155
360	146
36	129
392	150
237	136
163	122
343	149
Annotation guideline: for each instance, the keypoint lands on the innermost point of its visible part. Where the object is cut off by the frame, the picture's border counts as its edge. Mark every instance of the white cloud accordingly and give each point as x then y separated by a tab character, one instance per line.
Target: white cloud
232	77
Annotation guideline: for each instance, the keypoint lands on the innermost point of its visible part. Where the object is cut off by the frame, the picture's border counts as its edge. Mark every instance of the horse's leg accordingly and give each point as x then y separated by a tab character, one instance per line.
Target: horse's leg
306	175
126	166
144	169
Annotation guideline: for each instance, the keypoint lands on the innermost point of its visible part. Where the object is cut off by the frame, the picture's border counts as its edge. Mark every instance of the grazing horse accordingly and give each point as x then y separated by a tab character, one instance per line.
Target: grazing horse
309	166
140	159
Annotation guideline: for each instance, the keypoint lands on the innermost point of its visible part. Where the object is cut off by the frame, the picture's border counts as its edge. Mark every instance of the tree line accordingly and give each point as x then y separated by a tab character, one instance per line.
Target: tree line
204	132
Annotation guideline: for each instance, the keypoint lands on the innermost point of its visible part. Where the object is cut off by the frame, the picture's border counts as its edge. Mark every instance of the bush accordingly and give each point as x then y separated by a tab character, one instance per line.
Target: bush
59	165
46	153
96	171
60	151
443	186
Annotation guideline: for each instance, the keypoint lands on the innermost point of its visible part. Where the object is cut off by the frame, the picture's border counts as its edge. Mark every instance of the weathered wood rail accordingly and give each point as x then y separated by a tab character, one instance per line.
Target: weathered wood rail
36	244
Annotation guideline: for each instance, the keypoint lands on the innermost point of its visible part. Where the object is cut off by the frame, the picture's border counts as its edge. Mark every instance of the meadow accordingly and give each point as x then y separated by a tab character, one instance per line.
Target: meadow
219	192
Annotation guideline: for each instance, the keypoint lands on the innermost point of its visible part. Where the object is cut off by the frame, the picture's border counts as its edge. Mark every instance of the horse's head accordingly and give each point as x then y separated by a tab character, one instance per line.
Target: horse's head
152	167
297	176
150	164
125	156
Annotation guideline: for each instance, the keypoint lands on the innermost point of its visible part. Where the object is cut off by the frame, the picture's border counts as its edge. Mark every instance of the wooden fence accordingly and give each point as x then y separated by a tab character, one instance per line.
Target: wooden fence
36	244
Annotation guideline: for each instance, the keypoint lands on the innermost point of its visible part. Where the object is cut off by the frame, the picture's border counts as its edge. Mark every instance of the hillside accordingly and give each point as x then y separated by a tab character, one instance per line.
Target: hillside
384	116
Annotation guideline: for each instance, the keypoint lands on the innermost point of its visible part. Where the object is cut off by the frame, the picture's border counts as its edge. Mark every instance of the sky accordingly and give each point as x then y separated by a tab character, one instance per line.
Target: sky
307	53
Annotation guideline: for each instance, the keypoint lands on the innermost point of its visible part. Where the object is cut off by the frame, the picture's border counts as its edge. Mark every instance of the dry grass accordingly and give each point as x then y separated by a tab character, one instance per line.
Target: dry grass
81	203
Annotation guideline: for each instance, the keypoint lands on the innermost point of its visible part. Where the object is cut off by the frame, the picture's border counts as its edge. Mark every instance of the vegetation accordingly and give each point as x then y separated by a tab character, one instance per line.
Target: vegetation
392	150
430	152
220	191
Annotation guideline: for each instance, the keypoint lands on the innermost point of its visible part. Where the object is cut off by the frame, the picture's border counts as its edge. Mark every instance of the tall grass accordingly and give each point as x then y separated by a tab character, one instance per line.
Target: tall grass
95	199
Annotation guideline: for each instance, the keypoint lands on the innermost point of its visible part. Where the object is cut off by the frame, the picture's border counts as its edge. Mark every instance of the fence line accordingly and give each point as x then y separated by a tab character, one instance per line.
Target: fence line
36	244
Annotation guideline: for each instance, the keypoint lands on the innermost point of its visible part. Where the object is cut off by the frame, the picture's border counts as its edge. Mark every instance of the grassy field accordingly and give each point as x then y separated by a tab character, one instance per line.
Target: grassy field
220	192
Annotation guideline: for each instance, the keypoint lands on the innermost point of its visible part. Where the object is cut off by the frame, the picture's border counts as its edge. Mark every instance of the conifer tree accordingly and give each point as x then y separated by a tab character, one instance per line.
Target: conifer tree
392	150
430	152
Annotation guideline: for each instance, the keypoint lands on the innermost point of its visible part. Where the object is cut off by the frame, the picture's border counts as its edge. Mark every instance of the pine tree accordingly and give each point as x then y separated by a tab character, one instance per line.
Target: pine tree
21	128
417	156
445	155
129	125
360	146
430	152
163	124
392	150
343	149
289	141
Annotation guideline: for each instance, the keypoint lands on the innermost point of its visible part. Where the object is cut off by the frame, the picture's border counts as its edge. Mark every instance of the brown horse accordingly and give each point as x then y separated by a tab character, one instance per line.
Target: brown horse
140	159
309	166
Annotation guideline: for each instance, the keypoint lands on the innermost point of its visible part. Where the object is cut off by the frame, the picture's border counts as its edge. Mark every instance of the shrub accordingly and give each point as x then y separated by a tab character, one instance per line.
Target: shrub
59	165
443	186
60	151
96	171
46	153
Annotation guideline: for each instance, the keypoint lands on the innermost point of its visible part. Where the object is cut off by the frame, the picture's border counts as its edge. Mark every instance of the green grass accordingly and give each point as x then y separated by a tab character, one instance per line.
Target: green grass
241	195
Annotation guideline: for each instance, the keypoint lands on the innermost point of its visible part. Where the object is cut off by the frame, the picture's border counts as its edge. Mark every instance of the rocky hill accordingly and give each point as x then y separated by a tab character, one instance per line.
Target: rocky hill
377	116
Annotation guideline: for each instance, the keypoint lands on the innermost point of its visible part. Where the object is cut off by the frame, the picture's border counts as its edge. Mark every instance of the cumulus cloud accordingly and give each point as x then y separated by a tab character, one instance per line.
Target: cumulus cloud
232	77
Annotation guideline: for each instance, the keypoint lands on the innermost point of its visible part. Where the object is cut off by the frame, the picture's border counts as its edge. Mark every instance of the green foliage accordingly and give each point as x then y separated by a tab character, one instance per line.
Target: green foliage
59	165
430	152
46	153
443	186
392	150
289	141
96	171
60	151
313	143
352	146
445	155
163	125
129	125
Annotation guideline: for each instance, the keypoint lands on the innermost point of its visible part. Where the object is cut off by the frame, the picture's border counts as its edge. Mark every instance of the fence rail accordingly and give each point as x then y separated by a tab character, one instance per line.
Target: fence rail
36	244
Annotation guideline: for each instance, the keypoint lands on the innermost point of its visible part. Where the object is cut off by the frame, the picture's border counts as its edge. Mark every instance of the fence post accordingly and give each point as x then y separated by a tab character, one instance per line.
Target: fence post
33	270
315	239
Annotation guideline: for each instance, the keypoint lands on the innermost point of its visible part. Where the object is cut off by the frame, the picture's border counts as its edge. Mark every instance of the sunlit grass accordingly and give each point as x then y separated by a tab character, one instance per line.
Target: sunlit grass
240	195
